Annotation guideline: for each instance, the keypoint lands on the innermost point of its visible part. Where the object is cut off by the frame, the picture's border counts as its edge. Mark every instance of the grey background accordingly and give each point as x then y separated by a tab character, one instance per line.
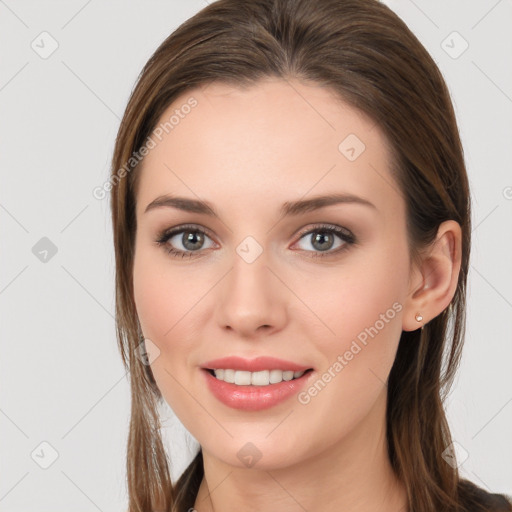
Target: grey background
61	377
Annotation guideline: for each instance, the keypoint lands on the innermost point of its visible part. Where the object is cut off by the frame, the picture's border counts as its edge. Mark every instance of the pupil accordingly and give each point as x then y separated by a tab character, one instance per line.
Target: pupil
322	238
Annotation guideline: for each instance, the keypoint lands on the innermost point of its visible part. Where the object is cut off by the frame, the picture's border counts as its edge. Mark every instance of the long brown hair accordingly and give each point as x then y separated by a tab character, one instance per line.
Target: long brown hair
366	54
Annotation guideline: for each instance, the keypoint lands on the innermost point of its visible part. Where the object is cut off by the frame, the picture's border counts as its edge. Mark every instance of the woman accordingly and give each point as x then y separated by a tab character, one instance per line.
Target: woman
291	222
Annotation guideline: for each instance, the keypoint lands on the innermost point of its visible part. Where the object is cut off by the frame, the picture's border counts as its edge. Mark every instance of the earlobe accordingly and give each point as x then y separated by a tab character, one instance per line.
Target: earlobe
439	273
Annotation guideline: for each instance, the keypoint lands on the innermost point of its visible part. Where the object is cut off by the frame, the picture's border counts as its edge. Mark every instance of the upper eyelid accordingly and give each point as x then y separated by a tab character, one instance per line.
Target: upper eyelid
328	227
171	232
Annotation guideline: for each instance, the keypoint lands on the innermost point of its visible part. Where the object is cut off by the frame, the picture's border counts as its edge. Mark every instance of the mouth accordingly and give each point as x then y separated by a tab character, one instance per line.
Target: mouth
255	391
259	378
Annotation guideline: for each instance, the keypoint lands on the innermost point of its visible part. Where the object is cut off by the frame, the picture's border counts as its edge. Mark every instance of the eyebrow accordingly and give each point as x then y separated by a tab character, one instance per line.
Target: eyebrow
289	208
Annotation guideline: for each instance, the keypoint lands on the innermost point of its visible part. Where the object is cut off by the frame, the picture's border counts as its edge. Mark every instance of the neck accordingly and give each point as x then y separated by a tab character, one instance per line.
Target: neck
354	475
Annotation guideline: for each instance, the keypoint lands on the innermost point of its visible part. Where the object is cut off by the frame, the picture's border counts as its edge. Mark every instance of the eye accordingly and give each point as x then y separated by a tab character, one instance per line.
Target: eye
322	241
327	239
184	241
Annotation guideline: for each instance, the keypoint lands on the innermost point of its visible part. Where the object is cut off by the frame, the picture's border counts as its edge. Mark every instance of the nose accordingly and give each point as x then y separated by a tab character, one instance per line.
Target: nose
252	300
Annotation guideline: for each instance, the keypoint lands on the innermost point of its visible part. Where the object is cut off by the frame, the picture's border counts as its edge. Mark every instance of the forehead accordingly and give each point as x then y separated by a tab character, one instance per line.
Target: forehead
273	140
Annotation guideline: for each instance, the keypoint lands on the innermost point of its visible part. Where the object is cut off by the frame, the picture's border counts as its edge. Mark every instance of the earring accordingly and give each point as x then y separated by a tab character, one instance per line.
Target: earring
418	317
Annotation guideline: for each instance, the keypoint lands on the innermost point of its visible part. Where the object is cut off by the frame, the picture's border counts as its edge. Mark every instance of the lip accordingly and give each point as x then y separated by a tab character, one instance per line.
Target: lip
254	398
254	365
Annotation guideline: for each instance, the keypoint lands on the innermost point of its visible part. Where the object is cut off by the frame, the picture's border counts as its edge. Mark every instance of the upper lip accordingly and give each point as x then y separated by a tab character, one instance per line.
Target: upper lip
254	365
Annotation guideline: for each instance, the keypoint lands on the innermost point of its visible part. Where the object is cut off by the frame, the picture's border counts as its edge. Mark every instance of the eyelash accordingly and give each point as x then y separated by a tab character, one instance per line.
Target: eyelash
346	236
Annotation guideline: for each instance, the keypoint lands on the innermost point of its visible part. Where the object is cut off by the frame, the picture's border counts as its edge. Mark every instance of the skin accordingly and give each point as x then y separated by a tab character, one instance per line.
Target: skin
248	151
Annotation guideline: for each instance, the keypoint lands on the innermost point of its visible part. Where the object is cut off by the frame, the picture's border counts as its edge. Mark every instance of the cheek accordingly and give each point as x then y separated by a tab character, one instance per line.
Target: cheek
364	312
170	301
165	300
164	295
356	296
151	299
360	308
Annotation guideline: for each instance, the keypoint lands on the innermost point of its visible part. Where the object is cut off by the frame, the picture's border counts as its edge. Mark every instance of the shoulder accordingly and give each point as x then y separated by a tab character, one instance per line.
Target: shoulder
477	499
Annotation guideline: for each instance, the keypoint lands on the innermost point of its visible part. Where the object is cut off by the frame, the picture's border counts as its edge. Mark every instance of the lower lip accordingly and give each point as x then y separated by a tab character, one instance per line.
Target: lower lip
254	398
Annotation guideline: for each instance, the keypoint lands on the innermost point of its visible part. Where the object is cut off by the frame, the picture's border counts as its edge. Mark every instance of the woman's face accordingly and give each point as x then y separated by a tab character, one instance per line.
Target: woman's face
264	277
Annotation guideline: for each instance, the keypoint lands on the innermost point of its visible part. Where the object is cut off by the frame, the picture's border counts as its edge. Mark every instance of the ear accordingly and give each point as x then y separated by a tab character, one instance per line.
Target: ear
434	281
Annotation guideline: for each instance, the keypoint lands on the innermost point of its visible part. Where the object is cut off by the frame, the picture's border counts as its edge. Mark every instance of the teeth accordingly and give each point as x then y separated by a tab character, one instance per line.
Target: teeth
262	378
